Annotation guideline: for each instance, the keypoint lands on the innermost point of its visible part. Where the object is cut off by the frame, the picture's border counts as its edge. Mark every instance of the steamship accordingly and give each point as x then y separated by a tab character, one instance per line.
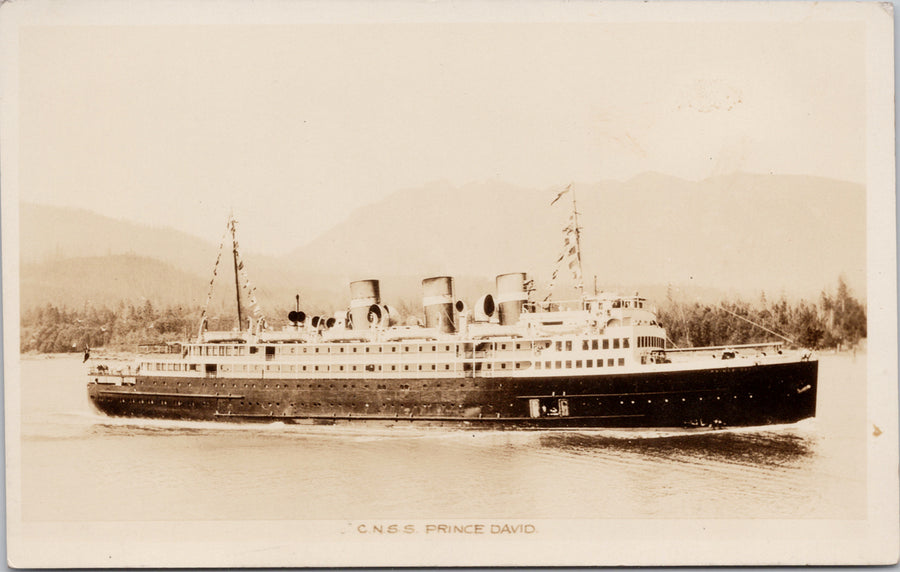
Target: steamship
602	360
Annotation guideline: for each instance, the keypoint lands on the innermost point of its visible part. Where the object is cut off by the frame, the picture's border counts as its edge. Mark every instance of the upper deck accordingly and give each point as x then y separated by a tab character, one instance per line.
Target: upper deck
605	335
602	334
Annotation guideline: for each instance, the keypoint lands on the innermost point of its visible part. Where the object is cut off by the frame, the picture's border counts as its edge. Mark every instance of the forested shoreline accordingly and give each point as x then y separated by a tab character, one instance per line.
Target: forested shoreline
835	320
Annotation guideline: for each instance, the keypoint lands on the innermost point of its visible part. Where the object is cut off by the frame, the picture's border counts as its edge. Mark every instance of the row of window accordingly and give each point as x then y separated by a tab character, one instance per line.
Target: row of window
639	303
651	342
595	344
169	366
217	385
190	403
222	350
611	362
278	368
445	405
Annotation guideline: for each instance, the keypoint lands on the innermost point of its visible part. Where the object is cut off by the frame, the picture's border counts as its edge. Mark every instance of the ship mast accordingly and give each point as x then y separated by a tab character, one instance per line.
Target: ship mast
237	284
570	259
577	230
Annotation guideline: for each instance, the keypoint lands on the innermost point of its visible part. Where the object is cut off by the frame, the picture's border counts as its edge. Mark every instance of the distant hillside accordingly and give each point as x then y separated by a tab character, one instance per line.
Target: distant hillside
731	235
54	233
107	280
73	255
73	282
741	233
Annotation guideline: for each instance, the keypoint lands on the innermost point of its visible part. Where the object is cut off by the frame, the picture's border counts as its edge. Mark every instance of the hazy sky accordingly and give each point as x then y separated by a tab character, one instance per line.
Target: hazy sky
295	125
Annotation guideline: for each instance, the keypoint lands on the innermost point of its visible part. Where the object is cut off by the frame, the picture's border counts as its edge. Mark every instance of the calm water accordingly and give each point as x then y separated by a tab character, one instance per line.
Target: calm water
78	465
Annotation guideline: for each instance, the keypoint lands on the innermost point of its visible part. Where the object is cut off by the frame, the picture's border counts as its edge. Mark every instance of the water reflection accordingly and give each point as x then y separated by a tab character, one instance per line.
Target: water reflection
761	448
123	430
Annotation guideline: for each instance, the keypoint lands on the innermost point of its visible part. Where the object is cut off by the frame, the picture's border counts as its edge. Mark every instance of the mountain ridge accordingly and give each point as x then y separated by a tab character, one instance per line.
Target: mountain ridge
736	231
738	234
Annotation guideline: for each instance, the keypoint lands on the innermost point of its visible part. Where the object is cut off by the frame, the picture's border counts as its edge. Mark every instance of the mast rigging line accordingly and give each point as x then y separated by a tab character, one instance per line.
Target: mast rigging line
580	285
571	254
751	322
237	285
212	280
239	273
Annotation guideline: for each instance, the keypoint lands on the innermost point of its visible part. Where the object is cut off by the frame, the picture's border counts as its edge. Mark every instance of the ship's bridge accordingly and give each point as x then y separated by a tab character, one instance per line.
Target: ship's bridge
606	301
594	314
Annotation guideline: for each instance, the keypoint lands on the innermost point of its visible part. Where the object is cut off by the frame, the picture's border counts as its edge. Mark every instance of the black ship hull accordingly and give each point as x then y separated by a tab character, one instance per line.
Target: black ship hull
739	395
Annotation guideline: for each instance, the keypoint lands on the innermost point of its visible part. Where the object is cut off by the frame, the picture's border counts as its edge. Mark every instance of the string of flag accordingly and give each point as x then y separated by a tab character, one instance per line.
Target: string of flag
248	289
246	286
215	271
570	258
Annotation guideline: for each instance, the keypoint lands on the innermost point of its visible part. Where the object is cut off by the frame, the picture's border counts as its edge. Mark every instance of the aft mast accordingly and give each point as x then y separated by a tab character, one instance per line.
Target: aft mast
577	230
237	284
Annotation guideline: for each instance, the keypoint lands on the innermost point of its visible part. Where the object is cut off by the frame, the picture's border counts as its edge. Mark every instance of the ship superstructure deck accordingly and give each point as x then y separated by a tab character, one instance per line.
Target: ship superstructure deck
603	365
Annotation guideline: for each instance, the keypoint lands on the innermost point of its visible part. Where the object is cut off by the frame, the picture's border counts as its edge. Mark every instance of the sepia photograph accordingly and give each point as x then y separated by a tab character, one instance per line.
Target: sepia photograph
448	284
